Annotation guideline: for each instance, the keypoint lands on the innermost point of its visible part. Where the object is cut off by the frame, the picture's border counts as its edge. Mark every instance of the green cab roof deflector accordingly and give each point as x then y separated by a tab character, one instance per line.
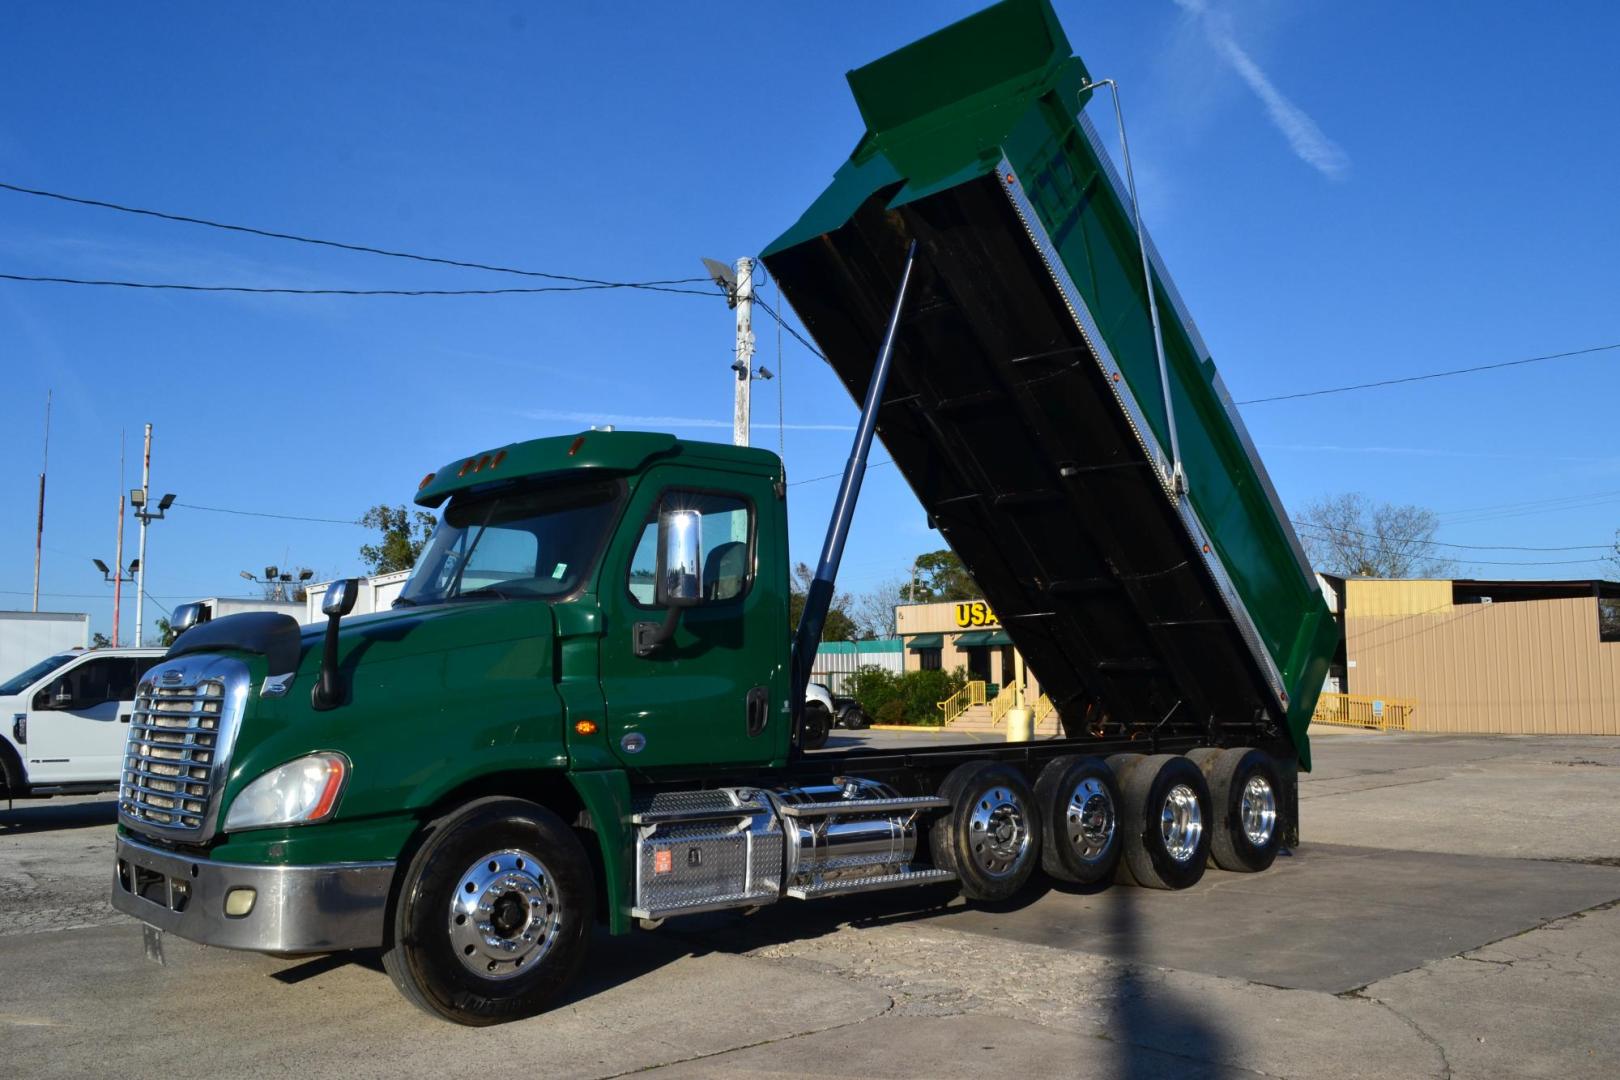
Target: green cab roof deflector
1025	406
610	453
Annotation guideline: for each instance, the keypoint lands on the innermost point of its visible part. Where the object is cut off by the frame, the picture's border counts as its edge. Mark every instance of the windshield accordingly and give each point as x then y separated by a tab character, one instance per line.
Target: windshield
22	682
534	545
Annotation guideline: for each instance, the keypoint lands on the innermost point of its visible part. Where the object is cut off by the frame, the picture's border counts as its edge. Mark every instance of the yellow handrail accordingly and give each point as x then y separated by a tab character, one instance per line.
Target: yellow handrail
1000	705
1363	711
1043	708
964	699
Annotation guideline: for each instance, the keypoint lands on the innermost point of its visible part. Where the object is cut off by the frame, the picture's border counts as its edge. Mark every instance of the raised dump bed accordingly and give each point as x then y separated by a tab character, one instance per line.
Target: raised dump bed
1026	407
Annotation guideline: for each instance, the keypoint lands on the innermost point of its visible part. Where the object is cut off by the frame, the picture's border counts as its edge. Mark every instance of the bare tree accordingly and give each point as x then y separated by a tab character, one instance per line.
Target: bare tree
1352	536
873	610
1614	557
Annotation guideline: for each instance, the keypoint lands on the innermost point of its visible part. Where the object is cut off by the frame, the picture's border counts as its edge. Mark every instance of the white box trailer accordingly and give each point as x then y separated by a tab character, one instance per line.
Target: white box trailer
376	594
27	637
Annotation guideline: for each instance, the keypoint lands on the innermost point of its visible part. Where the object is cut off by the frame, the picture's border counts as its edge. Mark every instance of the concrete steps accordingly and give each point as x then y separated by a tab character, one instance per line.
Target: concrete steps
977	720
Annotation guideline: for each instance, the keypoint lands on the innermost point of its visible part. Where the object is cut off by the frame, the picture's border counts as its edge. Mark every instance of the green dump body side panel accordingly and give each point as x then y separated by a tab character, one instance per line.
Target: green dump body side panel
1027	398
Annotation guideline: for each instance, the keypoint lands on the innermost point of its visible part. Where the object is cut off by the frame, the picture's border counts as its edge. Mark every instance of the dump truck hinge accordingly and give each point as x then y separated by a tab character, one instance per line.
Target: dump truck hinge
819	598
1177	477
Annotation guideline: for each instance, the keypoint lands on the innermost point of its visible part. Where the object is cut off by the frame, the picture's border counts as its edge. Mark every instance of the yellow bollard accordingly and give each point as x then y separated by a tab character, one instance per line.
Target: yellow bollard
1020	724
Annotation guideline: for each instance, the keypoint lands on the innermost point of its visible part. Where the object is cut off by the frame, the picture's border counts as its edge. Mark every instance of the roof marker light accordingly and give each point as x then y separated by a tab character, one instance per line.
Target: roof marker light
579	441
500	456
426	480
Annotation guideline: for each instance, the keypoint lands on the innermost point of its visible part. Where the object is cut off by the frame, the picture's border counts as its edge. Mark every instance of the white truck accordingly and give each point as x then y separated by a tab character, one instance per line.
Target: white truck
66	719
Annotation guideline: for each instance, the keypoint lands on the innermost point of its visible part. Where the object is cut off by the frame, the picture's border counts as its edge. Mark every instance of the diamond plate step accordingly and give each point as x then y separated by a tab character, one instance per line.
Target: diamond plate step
869	884
863	806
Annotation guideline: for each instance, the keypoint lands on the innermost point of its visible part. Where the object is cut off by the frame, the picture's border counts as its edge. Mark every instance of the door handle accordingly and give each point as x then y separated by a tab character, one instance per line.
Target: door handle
758	709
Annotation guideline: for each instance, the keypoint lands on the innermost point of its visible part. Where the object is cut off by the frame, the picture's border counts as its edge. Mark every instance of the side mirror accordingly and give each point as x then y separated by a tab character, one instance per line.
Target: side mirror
680	559
328	692
340	597
185	617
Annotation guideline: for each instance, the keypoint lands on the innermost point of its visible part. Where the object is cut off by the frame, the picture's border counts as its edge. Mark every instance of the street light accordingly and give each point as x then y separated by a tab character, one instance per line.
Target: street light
110	575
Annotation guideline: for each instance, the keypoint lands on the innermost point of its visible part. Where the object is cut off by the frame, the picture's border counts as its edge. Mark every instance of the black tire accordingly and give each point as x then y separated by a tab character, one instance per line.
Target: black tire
817	726
991	836
424	954
1148	787
1078	800
1204	757
13	777
855	718
1121	765
1232	847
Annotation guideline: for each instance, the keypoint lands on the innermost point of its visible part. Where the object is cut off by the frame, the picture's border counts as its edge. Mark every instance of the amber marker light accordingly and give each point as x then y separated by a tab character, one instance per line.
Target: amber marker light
578	442
500	456
426	480
585	727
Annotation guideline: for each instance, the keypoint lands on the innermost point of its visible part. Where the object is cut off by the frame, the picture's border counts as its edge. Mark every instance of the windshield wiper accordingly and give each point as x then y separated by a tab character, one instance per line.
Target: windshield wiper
483	593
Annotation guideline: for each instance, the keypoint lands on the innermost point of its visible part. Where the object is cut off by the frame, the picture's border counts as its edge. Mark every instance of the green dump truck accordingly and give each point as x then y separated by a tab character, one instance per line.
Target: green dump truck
586	706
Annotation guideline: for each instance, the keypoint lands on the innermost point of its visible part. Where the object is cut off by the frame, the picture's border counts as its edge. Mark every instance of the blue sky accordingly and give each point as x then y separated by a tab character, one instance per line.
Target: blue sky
1344	192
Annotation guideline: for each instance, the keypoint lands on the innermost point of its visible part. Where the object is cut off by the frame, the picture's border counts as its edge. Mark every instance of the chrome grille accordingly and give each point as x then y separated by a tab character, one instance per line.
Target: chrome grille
178	739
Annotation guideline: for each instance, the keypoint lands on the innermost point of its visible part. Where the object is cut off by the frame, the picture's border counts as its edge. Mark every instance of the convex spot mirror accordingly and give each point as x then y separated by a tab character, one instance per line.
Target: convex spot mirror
340	597
680	559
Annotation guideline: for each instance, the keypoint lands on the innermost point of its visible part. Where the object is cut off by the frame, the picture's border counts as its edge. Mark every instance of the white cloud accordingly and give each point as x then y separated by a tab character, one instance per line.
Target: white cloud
1307	140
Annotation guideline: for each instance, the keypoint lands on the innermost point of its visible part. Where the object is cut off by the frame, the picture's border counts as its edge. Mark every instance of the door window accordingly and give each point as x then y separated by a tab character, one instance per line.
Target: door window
95	682
727	545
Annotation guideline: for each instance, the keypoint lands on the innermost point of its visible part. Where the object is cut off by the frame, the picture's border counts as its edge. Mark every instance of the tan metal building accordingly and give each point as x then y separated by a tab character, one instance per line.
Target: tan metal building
1508	657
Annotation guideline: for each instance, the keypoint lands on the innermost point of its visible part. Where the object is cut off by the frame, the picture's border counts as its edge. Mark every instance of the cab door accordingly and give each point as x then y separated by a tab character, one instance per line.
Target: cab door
714	694
81	739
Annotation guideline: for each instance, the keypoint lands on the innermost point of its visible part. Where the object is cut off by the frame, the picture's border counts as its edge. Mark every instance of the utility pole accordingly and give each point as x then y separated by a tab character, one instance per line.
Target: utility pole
39	520
118	560
141	507
744	364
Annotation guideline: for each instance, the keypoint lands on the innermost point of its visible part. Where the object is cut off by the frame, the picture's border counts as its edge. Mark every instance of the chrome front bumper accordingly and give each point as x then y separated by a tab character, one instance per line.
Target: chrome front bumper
295	909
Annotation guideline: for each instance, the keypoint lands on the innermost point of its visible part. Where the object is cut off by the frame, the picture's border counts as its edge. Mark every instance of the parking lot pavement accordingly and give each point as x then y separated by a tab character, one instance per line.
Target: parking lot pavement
1453	911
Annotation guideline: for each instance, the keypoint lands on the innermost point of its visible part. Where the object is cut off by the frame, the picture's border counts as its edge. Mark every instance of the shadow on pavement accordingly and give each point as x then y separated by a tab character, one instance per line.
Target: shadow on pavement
1156	1032
43	815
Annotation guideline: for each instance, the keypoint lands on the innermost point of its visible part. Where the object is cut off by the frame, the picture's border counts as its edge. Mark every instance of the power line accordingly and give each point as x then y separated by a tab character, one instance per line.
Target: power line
1495	562
366	249
265	514
289	291
800	338
1441	543
832	475
1430	375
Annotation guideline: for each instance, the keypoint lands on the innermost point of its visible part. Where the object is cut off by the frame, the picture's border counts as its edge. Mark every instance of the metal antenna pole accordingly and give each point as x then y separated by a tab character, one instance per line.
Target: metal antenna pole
1178	478
818	597
39	520
146	506
744	364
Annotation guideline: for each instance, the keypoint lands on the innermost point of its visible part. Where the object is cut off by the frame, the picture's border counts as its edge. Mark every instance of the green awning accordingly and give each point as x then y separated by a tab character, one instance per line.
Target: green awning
921	642
973	639
998	637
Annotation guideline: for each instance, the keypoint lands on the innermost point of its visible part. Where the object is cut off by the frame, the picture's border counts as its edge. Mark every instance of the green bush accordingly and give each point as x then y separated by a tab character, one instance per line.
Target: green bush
909	698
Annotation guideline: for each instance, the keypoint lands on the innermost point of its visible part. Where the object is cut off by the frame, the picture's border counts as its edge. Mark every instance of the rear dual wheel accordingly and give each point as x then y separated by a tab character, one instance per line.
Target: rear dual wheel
1246	794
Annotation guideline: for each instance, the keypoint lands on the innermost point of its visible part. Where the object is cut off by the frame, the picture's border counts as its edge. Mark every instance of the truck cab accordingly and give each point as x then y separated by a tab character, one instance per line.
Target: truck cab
66	721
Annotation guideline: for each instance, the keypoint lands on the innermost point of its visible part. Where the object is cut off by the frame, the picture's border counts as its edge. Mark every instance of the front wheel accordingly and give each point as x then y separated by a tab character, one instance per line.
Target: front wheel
493	915
817	726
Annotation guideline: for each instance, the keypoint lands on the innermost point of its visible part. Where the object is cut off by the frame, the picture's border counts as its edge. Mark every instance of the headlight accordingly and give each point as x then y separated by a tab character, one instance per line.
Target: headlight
300	791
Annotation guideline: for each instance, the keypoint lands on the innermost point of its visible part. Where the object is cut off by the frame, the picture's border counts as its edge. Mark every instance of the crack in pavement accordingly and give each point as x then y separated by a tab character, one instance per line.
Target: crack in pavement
885	1011
1445	1062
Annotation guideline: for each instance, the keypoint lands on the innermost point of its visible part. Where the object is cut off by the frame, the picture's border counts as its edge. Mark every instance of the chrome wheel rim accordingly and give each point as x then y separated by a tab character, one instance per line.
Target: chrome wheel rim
1090	819
1181	823
504	914
998	832
1258	810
